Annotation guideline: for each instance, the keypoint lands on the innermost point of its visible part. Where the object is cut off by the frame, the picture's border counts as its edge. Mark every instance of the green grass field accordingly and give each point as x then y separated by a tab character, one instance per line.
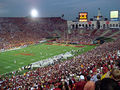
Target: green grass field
32	54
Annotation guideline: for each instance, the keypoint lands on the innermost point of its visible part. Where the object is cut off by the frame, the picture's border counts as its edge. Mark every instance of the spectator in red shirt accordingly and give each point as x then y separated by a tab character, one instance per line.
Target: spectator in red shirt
80	85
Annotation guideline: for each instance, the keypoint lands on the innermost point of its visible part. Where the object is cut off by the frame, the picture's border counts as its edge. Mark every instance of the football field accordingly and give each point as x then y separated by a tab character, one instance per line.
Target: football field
15	59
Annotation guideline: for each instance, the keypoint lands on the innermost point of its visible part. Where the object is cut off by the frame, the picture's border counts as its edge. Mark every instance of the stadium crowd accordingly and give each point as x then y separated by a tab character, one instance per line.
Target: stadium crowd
15	32
97	69
84	36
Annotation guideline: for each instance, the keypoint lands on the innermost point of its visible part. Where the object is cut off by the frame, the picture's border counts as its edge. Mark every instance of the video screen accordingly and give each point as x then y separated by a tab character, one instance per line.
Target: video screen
83	16
114	15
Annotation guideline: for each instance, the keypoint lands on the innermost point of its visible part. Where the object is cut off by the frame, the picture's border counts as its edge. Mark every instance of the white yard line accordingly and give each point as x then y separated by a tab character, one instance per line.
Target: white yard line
8	67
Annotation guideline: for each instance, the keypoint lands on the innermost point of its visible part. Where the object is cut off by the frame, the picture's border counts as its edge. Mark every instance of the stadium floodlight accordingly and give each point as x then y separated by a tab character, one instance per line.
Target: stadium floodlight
34	13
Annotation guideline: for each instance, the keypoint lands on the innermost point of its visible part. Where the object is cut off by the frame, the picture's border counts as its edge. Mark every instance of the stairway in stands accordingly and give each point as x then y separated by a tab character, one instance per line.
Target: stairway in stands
107	31
115	35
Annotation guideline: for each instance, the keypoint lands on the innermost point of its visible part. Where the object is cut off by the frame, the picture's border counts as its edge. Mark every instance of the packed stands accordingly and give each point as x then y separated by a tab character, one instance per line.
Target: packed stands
80	73
68	74
19	31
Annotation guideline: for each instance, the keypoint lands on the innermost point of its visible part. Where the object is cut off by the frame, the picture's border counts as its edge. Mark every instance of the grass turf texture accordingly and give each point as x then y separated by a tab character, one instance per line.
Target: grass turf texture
13	60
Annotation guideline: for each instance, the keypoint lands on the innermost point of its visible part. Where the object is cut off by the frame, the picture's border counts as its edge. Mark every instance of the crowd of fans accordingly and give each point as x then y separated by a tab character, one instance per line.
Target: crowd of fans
93	70
84	36
16	32
98	69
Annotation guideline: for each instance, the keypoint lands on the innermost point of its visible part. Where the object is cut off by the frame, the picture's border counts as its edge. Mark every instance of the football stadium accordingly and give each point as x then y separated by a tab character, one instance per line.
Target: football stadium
53	53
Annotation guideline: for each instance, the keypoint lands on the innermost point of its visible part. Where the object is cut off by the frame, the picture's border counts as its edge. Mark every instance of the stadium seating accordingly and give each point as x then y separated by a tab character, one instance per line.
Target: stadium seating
71	74
24	30
99	60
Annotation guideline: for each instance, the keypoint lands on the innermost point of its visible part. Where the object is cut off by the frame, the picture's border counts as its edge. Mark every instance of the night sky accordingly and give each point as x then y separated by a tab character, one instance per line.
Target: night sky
55	8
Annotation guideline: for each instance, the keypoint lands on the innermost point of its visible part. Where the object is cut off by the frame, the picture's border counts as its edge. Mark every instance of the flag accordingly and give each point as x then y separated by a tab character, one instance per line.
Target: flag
62	15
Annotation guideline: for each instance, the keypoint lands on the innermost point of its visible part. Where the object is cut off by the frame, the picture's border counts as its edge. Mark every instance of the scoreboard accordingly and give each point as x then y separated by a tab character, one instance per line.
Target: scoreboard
114	15
83	16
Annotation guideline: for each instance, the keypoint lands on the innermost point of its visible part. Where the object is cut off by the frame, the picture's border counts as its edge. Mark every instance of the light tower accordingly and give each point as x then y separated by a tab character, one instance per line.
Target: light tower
34	13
